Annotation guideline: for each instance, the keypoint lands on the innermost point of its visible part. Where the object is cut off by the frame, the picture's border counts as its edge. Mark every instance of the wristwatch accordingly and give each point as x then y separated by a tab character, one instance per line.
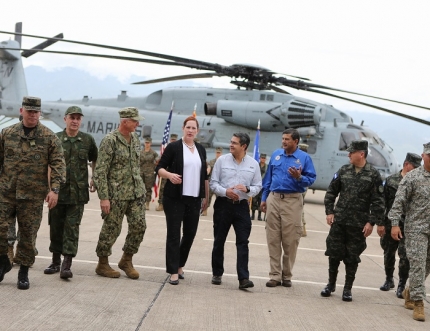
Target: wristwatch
247	189
55	190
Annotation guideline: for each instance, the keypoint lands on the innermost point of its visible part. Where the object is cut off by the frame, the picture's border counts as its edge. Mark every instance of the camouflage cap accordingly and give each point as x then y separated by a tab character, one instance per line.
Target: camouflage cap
303	147
73	110
263	156
148	139
426	148
413	159
358	145
130	112
173	136
218	149
31	103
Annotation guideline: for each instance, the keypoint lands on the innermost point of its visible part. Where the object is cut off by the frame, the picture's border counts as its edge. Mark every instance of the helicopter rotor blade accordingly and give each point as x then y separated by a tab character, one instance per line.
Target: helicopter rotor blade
278	89
41	46
181	77
412	118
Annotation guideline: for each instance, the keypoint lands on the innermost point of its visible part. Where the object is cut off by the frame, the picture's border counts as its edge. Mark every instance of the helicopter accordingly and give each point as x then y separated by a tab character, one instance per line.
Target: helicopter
259	97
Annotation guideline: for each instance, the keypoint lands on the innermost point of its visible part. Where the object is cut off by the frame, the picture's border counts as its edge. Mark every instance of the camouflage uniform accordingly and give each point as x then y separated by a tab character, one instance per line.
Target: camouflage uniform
117	178
412	200
24	164
147	167
360	201
65	217
388	244
211	164
256	201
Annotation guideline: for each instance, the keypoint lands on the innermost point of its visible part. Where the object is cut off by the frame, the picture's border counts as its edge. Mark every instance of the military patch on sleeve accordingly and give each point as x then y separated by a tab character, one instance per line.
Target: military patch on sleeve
335	175
381	189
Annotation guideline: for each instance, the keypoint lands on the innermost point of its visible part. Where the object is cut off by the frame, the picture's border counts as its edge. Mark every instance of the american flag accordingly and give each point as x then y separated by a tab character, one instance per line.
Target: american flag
166	132
257	143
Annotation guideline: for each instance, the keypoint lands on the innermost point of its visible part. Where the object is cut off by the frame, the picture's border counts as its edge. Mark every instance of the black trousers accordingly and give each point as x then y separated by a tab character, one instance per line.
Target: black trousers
187	211
227	214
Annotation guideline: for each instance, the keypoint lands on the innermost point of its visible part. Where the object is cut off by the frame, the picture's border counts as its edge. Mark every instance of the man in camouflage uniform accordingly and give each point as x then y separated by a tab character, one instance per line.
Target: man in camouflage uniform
256	201
27	149
65	218
388	244
121	192
359	207
148	159
173	137
211	164
412	201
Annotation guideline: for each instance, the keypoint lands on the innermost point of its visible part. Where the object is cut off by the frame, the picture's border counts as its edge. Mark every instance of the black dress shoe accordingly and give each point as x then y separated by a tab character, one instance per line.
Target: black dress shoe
328	290
181	276
245	283
346	295
52	269
389	284
216	280
287	283
173	282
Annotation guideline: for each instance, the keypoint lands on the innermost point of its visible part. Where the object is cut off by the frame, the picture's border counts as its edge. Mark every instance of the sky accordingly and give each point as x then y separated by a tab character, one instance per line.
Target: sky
372	47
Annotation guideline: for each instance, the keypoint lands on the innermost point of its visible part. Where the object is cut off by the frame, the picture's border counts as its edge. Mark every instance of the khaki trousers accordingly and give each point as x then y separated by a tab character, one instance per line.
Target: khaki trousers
283	232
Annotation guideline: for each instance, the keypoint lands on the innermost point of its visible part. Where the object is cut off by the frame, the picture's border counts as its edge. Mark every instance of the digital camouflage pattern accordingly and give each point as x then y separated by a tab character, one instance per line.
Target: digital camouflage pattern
147	167
64	221
360	194
117	173
412	200
24	162
388	244
256	201
130	112
135	212
78	151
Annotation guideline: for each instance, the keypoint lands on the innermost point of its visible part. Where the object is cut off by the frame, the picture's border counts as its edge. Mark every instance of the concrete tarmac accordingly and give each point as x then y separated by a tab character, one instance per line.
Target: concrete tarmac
90	302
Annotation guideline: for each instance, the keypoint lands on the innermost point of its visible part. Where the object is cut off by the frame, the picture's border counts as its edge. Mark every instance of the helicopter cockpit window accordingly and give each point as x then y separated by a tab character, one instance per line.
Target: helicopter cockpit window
270	97
376	159
345	140
262	97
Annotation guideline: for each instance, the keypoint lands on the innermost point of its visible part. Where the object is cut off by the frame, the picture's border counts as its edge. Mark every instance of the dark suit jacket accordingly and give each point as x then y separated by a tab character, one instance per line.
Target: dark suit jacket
173	161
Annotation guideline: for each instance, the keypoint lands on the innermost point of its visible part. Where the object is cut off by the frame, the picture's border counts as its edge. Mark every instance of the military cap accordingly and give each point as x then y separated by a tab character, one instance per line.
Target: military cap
31	103
263	156
413	159
426	148
148	139
173	136
218	149
358	145
130	112
303	147
73	110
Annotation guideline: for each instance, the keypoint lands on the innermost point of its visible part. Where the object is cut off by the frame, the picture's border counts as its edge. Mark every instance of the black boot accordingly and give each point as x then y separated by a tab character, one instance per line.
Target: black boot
23	282
401	287
5	266
65	267
347	295
54	267
389	284
259	216
331	286
253	215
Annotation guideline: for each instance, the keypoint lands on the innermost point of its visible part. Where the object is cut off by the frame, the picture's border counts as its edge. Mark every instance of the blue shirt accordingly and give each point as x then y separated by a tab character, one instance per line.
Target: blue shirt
278	179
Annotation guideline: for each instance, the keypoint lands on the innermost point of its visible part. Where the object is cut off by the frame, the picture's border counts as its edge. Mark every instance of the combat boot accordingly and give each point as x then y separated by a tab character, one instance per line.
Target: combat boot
10	253
347	295
103	268
419	311
401	287
127	266
304	234
66	273
259	216
147	205
54	267
409	304
159	207
5	266
331	286
23	282
389	284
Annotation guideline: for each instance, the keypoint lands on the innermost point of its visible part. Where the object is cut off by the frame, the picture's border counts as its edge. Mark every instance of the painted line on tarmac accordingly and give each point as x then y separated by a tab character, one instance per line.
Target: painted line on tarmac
301	248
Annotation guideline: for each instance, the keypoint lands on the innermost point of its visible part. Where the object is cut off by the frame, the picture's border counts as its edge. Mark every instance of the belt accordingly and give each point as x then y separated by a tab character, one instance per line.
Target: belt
234	202
283	195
